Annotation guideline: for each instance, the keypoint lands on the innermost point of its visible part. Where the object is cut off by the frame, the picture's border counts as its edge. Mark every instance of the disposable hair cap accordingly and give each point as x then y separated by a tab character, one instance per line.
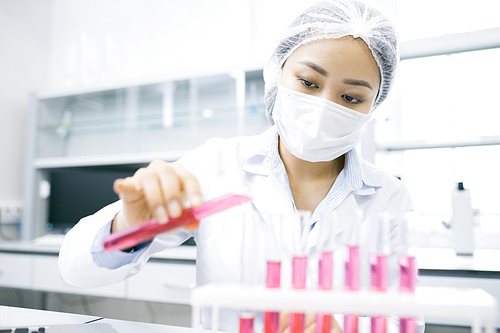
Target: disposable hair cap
335	19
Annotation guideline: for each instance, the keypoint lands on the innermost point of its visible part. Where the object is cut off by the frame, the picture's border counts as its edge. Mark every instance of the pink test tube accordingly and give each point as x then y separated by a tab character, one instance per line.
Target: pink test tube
352	284
328	225
248	266
273	269
407	269
379	270
272	318
325	271
246	323
407	283
300	225
299	275
378	282
352	265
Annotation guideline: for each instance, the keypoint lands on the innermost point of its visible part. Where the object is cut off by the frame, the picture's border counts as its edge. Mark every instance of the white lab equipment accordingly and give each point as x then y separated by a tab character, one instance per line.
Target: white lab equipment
462	221
475	305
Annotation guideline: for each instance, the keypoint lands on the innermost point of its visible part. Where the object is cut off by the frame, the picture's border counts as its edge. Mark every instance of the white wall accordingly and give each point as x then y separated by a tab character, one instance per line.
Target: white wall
56	44
111	41
24	35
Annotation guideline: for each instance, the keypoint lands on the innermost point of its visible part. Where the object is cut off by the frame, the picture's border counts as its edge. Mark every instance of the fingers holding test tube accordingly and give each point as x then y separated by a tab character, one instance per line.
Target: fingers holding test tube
157	191
310	326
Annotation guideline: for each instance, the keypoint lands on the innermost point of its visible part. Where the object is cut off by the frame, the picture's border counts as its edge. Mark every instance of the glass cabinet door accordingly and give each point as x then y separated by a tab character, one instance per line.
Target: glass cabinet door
170	116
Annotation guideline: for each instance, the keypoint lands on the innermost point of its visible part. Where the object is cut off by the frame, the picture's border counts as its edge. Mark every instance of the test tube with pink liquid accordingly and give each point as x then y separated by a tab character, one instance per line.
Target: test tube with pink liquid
407	267
352	265
328	228
378	258
300	231
248	275
273	268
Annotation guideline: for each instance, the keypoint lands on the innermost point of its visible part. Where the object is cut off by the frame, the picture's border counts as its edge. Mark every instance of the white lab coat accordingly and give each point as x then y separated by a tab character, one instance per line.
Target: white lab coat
223	166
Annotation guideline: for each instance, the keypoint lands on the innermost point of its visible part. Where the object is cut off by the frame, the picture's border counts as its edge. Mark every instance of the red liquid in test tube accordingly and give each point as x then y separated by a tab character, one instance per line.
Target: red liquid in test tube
299	269
407	274
407	283
352	268
272	319
378	282
246	324
325	271
351	283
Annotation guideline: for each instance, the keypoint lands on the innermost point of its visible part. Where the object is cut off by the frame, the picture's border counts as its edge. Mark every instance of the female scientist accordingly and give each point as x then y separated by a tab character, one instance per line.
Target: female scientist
332	68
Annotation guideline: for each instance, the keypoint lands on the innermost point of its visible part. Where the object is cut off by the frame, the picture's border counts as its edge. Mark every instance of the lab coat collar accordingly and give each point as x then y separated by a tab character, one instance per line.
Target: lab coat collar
365	182
260	157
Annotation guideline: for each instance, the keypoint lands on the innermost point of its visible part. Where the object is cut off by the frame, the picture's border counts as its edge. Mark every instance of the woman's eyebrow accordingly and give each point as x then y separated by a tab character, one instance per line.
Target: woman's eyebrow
314	66
357	83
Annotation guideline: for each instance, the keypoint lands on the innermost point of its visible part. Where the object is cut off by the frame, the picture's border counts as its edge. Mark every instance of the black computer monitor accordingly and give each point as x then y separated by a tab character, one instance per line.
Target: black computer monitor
79	192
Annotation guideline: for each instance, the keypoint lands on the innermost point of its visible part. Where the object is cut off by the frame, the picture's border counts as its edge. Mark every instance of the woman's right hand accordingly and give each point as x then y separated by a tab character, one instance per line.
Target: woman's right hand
158	191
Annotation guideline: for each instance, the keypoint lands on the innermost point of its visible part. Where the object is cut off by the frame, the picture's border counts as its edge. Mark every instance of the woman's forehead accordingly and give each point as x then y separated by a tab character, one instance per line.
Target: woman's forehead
339	55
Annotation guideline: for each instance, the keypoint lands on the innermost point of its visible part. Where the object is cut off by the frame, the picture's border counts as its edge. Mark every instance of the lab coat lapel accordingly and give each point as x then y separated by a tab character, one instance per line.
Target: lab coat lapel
344	210
270	197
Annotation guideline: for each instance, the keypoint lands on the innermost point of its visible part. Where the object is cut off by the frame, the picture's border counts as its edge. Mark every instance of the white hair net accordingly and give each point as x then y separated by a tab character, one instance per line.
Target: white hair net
335	19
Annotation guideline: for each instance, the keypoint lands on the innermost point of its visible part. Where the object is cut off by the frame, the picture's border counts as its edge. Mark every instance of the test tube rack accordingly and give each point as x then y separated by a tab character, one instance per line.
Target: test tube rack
474	305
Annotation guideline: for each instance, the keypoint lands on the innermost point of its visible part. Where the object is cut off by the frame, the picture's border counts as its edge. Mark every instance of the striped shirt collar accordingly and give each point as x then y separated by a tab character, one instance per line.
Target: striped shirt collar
354	177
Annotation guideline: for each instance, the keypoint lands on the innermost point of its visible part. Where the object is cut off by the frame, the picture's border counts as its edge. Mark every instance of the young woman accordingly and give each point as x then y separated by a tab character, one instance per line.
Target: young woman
333	67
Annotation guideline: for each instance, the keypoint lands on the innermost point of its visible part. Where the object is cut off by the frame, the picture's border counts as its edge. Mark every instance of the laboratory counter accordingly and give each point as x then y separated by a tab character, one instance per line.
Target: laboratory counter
484	263
34	266
51	244
21	317
438	267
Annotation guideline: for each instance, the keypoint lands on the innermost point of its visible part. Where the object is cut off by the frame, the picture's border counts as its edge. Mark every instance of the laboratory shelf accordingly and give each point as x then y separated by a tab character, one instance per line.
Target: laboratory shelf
150	121
250	70
109	159
451	43
458	143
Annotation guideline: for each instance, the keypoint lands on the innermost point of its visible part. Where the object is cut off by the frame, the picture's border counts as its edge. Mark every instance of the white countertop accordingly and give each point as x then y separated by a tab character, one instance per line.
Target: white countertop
16	317
440	259
483	260
50	244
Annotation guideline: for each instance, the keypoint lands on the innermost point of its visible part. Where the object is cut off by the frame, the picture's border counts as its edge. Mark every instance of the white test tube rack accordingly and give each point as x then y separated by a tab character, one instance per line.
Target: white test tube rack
473	305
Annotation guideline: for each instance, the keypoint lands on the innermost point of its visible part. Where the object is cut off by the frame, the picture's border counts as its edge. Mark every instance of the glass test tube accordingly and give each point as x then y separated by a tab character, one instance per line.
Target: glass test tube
273	269
300	230
248	266
407	268
351	260
379	270
327	224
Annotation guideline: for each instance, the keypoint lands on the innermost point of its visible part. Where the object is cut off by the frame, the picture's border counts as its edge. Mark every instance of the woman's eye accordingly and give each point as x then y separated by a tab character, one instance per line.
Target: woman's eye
308	84
351	99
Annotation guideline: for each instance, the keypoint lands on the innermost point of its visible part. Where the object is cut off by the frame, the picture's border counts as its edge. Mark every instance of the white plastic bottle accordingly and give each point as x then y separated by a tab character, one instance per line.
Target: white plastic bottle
462	222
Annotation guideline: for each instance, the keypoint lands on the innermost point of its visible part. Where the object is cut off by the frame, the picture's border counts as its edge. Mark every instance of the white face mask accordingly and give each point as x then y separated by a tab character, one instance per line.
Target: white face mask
315	129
